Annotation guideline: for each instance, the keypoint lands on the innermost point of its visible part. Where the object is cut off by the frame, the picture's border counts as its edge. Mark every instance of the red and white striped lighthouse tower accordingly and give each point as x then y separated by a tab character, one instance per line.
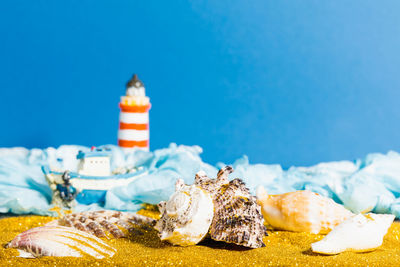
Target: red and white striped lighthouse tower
134	117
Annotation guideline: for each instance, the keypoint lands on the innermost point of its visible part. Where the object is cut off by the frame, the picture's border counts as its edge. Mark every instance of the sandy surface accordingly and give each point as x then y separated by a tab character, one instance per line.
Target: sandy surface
282	248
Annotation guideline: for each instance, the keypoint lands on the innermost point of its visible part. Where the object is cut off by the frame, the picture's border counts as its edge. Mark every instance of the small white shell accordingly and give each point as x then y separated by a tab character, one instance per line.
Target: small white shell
186	217
358	233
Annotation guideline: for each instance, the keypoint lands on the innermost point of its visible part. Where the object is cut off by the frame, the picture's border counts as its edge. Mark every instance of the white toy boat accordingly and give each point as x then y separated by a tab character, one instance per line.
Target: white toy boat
94	177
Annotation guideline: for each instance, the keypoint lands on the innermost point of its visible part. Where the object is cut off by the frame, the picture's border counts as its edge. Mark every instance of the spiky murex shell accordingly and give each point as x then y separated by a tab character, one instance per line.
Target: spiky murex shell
237	216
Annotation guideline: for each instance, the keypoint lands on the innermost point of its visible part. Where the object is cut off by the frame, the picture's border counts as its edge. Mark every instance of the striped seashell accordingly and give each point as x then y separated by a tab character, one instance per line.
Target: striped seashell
301	211
59	241
186	216
105	223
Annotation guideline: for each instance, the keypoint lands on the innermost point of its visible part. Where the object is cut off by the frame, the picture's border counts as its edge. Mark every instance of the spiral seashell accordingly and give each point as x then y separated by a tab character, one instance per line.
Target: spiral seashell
237	216
186	216
301	211
358	233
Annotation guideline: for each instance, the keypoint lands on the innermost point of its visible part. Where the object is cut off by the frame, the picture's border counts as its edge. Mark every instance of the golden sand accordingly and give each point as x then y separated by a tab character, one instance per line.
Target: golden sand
282	248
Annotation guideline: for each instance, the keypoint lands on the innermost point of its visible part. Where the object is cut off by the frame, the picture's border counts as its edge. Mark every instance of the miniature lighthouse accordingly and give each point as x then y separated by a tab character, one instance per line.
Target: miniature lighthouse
134	117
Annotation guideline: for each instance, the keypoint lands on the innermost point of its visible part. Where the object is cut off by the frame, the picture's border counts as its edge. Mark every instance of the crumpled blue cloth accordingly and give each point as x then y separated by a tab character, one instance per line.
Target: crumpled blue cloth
370	184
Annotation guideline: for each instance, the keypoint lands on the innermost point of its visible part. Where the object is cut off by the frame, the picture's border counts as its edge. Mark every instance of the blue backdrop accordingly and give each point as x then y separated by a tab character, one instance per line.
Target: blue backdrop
290	82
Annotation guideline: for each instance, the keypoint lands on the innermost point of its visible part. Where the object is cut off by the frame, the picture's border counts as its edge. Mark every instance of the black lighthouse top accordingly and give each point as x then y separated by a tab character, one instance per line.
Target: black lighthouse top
134	82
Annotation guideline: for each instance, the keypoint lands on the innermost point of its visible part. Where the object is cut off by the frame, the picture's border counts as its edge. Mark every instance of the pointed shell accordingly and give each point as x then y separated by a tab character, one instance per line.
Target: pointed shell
237	217
186	216
105	223
301	211
358	233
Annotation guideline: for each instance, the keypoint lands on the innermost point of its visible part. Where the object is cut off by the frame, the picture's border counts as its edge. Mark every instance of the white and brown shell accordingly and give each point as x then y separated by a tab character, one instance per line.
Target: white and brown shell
186	216
237	216
301	211
105	223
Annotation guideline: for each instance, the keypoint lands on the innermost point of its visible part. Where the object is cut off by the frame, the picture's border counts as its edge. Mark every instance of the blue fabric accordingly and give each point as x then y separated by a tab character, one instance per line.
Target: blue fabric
372	183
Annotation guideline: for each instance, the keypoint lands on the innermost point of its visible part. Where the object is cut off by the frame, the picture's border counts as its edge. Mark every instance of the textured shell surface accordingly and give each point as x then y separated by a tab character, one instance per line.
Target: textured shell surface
358	233
186	216
301	211
237	216
59	241
105	223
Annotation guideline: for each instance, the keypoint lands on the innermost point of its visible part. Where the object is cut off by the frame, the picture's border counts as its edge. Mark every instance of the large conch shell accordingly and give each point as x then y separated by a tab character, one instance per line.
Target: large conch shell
237	216
358	233
301	211
186	217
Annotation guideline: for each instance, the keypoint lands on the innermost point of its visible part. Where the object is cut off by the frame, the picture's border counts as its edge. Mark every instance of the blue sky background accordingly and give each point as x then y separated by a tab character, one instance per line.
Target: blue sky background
290	82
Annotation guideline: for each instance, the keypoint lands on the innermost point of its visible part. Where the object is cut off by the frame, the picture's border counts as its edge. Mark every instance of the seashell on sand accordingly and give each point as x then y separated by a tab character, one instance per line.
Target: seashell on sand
301	211
105	223
186	216
358	233
59	241
237	217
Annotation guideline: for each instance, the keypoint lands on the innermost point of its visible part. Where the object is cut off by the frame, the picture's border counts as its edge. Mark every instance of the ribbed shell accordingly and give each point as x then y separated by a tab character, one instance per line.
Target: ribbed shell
237	216
105	223
59	241
301	211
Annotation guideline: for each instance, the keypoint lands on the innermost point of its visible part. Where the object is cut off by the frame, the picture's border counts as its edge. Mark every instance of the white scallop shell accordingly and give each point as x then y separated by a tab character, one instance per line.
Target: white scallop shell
186	216
59	241
358	233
